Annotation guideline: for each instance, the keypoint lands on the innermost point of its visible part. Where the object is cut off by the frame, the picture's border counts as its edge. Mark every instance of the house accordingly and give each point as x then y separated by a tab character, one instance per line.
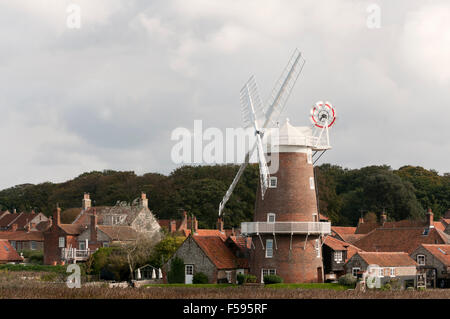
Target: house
8	254
335	253
385	267
212	252
96	227
24	240
346	234
20	221
405	236
434	262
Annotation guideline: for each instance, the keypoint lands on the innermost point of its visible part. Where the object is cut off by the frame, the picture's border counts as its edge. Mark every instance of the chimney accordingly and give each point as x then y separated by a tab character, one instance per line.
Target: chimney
172	226
361	220
383	217
220	224
33	225
86	202
14	227
195	224
430	219
57	216
183	225
93	226
143	202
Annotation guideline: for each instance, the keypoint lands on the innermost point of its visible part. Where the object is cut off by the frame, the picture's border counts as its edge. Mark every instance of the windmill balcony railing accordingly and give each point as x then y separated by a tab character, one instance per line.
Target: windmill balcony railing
76	254
311	228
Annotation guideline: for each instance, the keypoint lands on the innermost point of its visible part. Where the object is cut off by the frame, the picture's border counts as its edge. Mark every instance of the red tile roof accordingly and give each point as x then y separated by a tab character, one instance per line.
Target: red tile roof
220	255
207	232
119	233
342	230
366	227
441	252
8	253
387	259
399	239
22	235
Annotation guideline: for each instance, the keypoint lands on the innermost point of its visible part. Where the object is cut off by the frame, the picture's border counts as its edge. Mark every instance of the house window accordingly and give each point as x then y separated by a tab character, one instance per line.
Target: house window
189	269
317	247
105	244
61	243
338	256
228	273
19	245
33	245
266	272
309	158
380	272
421	260
13	243
273	182
392	272
271	218
311	182
355	271
82	245
269	248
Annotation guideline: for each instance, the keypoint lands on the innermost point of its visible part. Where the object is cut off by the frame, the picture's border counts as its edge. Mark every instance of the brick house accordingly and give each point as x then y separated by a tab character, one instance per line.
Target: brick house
24	240
8	254
385	266
20	221
335	253
434	262
96	227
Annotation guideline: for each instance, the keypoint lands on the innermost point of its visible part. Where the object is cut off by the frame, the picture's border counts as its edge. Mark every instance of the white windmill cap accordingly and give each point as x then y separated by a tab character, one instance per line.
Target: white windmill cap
288	134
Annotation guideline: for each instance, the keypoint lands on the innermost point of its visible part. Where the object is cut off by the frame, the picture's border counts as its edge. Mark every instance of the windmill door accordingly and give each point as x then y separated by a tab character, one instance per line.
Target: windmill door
188	273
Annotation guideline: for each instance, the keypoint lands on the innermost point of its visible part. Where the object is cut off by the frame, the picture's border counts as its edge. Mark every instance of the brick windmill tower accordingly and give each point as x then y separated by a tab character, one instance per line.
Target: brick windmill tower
287	233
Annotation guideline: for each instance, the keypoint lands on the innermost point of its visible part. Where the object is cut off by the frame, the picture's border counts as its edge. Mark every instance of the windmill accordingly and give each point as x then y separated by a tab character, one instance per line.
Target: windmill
260	118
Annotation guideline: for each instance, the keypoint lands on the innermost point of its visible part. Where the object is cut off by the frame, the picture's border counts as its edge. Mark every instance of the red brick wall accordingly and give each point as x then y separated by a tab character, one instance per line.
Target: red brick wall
292	200
52	253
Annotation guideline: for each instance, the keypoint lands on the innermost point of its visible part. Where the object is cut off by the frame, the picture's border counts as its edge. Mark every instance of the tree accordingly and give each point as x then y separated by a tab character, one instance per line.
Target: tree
138	250
164	250
176	273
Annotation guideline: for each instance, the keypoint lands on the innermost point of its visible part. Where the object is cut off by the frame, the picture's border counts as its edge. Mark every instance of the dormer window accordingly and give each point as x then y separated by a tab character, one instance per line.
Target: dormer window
273	182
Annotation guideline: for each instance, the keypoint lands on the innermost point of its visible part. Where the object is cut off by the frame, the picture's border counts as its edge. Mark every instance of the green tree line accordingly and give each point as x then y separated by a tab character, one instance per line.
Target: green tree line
344	194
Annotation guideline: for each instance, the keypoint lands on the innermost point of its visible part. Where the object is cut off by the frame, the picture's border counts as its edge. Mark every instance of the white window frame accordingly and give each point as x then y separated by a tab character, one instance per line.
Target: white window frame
355	271
228	273
311	183
33	245
265	272
275	180
392	272
82	245
105	244
191	267
269	251
338	255
380	272
62	242
419	258
309	158
269	215
317	247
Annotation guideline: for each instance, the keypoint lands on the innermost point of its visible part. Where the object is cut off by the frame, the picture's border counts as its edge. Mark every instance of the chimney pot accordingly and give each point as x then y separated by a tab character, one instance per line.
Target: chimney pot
86	203
143	202
220	224
430	218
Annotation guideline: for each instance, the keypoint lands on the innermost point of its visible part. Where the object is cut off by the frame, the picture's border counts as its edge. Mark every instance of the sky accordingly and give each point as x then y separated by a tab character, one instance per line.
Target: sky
108	95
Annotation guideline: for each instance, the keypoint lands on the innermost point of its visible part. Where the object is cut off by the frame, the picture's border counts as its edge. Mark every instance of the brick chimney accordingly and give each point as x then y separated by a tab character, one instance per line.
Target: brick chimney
184	225
143	201
220	224
430	218
383	217
57	216
14	227
93	227
195	224
361	220
172	226
86	202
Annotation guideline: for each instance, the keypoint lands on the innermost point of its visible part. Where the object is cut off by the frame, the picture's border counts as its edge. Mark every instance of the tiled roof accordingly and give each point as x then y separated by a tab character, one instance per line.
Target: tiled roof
21	219
242	242
220	255
441	252
8	253
441	225
9	219
387	259
352	238
22	235
207	232
337	244
341	230
130	211
44	225
366	227
72	229
399	239
119	233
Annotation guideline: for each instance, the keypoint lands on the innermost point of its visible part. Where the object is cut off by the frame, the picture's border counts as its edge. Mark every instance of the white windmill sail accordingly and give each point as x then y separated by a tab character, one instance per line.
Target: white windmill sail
276	104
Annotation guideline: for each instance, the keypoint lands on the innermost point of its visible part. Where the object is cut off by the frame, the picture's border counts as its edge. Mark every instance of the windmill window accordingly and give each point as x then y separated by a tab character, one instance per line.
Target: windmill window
311	182
317	247
271	218
269	248
266	272
273	182
309	158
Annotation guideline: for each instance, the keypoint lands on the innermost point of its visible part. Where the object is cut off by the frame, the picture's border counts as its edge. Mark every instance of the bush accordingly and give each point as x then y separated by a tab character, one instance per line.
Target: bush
176	272
250	279
240	278
34	256
272	279
200	278
410	289
386	287
347	280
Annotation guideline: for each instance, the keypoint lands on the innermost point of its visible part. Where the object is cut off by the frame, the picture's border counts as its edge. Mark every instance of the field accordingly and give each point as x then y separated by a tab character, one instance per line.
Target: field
41	284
